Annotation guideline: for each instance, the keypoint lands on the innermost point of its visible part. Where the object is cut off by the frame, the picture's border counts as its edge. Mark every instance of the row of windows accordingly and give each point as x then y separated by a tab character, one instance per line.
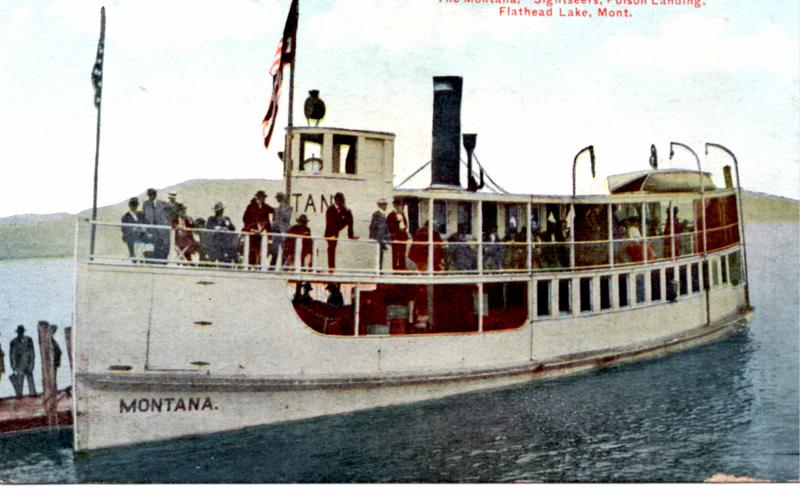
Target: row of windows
350	309
633	289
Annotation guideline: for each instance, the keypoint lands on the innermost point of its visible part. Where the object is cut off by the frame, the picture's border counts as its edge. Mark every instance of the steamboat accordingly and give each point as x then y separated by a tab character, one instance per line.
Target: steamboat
490	289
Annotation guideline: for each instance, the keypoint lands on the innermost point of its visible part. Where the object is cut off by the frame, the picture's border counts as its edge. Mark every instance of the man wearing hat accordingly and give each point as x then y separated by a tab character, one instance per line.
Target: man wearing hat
283	220
256	223
337	218
156	213
300	229
222	245
378	230
22	362
132	235
397	225
172	205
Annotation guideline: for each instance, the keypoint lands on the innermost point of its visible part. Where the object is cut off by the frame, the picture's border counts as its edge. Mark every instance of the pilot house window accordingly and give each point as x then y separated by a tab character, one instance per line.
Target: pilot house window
311	153
344	154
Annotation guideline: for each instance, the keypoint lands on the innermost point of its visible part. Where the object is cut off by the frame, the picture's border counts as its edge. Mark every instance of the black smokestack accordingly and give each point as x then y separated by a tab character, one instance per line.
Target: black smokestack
446	148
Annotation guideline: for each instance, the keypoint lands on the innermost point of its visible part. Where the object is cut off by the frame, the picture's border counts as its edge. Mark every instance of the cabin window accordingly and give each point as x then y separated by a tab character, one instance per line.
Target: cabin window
328	308
695	278
506	305
311	147
543	298
627	228
605	292
555	248
683	227
586	294
344	154
489	216
723	267
721	222
591	235
735	264
565	296
465	218
684	281
655	285
623	290
714	273
658	240
440	216
412	207
538	214
513	221
672	292
640	289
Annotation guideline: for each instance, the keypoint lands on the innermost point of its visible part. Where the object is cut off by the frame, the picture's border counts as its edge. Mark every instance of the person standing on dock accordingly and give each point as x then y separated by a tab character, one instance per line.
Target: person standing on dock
22	362
337	218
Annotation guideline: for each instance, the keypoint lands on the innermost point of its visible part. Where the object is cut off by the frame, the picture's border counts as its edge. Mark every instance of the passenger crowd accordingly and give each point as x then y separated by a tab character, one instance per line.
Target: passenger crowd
214	239
22	359
270	235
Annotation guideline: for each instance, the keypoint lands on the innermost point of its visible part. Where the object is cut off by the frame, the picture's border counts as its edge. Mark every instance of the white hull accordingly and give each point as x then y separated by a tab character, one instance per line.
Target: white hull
262	365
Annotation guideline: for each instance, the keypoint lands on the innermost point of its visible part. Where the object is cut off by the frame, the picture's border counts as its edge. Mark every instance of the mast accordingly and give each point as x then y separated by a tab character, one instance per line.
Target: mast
287	154
97	81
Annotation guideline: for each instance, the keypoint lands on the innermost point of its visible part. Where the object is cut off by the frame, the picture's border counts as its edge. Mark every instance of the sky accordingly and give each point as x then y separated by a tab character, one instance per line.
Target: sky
186	85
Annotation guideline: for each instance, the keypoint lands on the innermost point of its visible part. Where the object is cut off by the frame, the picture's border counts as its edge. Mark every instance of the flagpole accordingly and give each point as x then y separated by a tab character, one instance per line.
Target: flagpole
96	166
288	164
98	103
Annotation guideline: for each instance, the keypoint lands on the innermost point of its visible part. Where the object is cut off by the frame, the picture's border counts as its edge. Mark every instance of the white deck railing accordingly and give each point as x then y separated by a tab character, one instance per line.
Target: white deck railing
292	254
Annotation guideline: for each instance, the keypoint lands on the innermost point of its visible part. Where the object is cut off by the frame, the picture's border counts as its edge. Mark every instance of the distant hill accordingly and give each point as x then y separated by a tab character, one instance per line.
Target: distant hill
760	208
26	219
28	236
52	235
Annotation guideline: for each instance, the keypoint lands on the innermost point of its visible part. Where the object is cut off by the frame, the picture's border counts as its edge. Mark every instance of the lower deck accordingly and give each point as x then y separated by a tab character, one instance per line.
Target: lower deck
503	302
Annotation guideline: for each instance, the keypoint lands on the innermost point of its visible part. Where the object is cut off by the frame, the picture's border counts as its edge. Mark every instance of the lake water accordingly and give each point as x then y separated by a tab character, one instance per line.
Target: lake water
730	407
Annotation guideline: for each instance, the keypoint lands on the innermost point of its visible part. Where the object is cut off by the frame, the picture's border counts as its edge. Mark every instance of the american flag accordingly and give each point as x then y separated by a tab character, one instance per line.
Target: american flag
97	71
284	55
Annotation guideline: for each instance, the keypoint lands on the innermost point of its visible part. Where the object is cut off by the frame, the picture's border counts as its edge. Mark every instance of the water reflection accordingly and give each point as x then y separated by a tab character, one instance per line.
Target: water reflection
679	418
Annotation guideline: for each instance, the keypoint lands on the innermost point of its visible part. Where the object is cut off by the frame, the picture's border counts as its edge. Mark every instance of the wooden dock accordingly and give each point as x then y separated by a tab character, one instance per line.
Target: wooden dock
52	407
28	413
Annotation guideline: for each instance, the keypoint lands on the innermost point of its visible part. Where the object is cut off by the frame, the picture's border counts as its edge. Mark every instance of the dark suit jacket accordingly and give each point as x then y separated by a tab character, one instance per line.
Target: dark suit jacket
22	355
155	212
129	233
257	217
393	222
377	227
336	220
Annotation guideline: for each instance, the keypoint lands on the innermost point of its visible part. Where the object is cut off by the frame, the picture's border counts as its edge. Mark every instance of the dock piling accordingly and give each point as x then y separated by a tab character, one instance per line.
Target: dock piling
49	391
